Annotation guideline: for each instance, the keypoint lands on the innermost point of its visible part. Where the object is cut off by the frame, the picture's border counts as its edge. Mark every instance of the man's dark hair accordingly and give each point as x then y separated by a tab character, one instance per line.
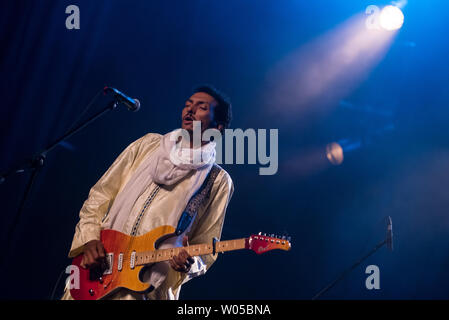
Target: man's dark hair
223	110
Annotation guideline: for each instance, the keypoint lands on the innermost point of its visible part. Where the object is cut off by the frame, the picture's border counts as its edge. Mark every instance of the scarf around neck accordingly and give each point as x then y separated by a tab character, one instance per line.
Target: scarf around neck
170	163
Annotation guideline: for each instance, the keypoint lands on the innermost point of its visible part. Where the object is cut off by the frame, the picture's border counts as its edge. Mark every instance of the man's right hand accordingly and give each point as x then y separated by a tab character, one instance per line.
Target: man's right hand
94	254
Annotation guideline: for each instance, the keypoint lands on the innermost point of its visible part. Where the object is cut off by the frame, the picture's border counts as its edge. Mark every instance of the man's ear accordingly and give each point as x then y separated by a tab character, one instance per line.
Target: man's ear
219	127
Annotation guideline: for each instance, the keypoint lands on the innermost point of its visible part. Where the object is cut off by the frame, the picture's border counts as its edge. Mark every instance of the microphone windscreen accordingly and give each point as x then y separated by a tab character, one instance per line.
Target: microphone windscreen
137	106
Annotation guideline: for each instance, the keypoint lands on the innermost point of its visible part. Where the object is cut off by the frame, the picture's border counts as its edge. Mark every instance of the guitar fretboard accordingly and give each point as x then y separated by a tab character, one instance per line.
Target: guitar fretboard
159	255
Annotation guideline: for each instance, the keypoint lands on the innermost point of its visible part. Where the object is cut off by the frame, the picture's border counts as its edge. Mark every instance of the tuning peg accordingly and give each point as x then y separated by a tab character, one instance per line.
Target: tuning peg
272	235
283	238
289	238
264	234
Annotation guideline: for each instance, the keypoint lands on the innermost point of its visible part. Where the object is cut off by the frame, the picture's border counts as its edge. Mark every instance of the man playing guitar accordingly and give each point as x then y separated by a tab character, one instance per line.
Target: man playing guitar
148	187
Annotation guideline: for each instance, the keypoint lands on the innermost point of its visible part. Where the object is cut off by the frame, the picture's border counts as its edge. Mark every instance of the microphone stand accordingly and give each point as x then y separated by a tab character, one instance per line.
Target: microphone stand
387	241
37	162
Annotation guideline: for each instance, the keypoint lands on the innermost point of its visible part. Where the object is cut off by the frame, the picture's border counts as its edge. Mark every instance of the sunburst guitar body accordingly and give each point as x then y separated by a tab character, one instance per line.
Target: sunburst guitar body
126	256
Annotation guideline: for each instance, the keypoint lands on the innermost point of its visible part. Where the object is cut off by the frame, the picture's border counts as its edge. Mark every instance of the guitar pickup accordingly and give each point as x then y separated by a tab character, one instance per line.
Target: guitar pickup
132	262
109	263
120	262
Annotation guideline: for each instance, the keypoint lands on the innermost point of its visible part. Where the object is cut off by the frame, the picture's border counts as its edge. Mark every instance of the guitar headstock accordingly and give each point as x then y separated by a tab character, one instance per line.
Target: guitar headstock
261	243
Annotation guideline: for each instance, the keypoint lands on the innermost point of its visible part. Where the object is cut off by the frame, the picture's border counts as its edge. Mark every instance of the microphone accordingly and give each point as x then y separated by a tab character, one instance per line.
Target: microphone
389	240
132	104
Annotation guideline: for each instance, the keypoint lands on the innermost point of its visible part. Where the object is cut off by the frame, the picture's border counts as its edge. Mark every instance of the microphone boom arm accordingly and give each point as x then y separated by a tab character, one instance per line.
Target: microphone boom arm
35	164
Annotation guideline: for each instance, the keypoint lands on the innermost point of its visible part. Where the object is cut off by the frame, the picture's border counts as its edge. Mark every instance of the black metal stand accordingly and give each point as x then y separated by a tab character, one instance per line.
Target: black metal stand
344	273
37	162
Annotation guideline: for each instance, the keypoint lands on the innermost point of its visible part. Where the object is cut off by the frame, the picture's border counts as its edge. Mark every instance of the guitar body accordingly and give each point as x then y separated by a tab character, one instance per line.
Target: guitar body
127	256
97	284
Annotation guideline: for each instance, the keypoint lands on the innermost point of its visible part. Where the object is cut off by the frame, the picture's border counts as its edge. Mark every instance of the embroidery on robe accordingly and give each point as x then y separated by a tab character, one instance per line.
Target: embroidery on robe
144	209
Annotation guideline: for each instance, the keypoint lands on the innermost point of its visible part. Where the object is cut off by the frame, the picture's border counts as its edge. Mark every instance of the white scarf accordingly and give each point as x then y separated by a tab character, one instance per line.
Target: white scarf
167	165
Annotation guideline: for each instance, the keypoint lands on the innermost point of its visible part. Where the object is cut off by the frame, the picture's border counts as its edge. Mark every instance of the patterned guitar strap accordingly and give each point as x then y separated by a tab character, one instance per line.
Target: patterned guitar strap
197	199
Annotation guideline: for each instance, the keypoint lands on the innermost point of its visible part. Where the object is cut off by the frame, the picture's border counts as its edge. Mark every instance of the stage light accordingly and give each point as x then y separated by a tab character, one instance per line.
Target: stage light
391	18
326	70
334	153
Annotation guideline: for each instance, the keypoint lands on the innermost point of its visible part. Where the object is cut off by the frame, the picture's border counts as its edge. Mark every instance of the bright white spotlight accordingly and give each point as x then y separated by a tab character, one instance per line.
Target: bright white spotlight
391	18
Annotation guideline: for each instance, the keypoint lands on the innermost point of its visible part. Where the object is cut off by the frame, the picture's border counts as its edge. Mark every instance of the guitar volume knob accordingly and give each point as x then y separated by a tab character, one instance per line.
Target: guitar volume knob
91	292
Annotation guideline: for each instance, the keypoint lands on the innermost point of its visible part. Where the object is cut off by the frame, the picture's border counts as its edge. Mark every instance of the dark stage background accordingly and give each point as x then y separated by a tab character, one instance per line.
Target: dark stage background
158	51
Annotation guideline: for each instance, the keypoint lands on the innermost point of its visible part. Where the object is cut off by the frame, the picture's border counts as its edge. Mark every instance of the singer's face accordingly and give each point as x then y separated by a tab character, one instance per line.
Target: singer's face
199	107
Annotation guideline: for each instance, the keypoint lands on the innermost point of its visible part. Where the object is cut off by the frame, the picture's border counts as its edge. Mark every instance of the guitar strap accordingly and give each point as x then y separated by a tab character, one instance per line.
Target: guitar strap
197	199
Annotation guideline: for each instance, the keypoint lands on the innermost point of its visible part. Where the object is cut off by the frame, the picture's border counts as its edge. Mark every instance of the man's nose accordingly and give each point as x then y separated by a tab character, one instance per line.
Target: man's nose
191	109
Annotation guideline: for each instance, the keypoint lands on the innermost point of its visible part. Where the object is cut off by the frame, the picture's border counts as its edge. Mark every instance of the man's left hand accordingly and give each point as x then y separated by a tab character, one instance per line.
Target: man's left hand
183	261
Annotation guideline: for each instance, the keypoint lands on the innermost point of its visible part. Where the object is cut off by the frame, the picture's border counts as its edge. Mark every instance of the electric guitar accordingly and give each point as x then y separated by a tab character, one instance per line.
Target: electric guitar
127	255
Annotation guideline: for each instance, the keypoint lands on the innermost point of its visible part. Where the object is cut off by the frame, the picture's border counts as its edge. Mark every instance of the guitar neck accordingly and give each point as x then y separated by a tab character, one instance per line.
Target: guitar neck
159	255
